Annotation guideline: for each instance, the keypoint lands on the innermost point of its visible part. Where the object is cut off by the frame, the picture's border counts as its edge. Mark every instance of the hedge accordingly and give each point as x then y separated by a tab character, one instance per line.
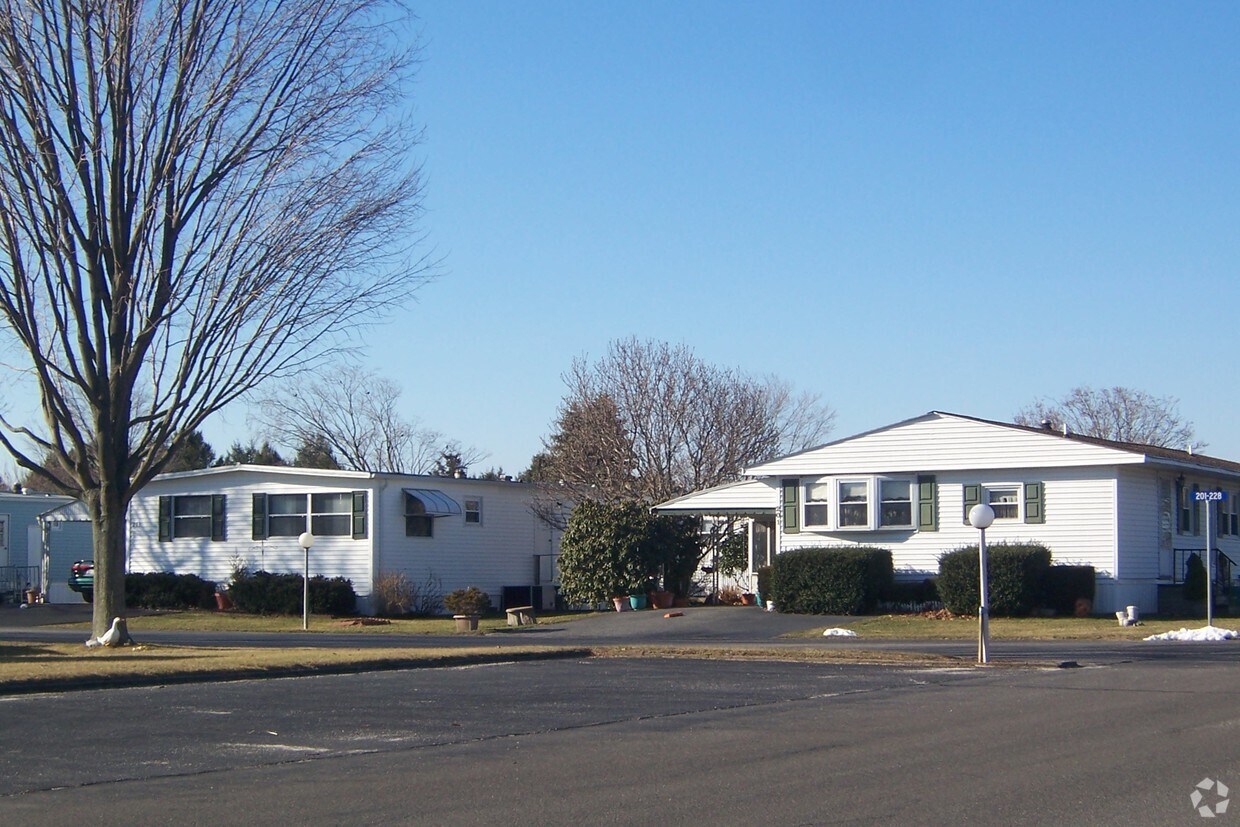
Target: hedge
1063	586
165	590
1016	573
830	580
264	593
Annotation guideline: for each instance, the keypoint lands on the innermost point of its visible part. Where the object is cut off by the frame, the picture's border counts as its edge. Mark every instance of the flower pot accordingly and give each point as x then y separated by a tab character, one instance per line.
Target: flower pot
662	600
637	601
223	602
466	623
621	603
749	599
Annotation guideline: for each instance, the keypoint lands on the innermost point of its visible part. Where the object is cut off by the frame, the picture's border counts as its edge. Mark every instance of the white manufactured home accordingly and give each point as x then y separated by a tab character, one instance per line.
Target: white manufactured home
454	532
1130	511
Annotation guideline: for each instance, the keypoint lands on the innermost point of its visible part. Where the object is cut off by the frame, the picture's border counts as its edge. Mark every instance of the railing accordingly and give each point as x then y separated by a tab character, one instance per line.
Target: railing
1179	564
14	580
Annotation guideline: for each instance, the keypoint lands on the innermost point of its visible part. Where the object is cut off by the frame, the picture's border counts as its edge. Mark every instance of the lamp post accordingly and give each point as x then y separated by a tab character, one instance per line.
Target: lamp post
980	517
305	540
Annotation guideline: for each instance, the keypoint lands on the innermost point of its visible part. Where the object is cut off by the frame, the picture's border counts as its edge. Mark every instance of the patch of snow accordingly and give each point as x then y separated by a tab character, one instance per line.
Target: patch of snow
839	633
1204	633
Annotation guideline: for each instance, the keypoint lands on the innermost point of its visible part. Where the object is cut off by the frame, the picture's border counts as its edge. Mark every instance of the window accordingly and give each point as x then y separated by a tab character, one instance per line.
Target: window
896	503
417	522
4	532
191	516
854	504
1005	500
286	515
331	515
473	511
817	504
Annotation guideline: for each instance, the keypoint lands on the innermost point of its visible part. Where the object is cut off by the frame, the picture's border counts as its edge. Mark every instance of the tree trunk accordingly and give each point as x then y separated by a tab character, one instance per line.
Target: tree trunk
107	511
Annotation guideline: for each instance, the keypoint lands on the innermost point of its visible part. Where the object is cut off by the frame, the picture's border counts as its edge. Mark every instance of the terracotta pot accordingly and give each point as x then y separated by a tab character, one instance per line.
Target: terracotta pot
621	603
662	600
223	602
748	599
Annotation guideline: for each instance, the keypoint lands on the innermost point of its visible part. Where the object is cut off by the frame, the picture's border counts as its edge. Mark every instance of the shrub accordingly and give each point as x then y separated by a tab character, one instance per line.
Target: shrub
1016	570
165	590
264	593
394	594
471	601
830	580
1194	578
613	549
1063	586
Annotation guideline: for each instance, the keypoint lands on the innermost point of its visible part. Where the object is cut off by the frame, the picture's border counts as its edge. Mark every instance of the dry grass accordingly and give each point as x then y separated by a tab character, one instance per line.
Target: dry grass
210	621
31	666
917	627
784	654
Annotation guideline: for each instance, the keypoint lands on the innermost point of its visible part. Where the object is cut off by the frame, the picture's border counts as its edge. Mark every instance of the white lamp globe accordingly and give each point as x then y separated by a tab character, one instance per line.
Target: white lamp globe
305	539
981	516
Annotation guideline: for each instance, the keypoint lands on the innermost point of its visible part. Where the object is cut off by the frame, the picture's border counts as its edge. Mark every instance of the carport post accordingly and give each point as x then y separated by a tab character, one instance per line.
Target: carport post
980	517
305	540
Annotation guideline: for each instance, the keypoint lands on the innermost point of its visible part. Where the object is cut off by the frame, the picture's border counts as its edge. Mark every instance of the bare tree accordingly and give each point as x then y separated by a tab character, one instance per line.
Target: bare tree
194	197
1118	413
650	420
355	414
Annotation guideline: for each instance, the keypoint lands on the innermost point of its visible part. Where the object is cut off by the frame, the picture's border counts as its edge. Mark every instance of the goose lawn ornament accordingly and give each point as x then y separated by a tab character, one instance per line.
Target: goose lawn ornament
112	637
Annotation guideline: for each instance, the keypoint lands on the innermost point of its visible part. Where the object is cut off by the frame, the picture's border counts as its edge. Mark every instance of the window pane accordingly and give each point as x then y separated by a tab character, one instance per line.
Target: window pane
1005	502
897	504
418	526
335	503
332	525
192	506
854	504
286	504
191	527
817	514
818	492
473	511
290	526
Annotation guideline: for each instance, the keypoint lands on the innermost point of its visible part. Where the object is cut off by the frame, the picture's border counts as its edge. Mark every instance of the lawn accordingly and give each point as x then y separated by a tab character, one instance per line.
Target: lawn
211	621
918	627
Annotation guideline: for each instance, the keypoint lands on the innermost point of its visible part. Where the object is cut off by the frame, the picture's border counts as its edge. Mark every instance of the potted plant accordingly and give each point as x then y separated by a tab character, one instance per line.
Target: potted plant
467	605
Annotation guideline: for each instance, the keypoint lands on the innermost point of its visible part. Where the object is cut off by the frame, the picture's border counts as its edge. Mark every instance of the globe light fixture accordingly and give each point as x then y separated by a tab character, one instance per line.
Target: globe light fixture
980	517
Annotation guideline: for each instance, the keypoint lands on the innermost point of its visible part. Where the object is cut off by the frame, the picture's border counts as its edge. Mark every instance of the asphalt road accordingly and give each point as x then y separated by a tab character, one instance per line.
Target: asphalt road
636	742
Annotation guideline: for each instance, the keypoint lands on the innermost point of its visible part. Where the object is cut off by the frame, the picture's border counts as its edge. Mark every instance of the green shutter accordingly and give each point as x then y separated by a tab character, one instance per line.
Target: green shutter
217	516
165	519
1035	511
972	496
792	506
259	518
359	515
927	504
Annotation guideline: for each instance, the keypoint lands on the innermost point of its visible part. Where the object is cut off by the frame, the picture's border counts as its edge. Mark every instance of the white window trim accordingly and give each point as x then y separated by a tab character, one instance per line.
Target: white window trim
911	482
873	487
1019	487
466	510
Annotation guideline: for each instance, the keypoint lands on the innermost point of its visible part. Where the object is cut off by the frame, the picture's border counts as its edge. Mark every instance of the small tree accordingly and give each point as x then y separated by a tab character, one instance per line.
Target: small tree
612	549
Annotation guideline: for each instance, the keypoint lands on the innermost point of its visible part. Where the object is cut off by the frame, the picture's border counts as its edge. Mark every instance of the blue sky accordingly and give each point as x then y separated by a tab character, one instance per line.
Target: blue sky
903	207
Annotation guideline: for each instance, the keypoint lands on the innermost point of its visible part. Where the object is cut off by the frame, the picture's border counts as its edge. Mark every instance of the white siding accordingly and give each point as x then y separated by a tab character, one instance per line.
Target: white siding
946	443
498	552
1137	524
1079	527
